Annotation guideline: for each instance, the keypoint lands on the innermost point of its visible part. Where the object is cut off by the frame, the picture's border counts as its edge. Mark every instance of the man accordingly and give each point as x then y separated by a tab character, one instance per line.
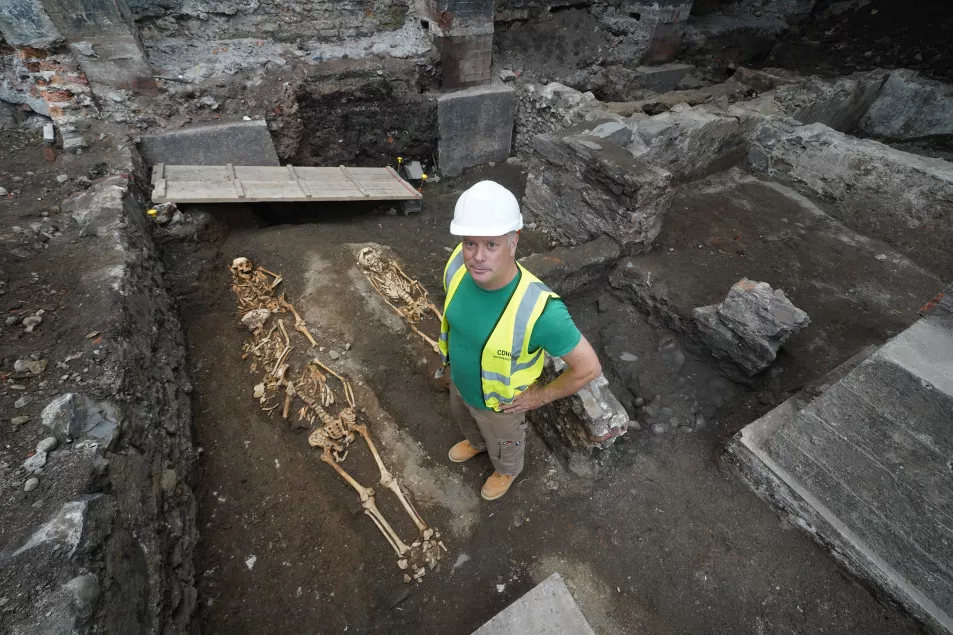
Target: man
498	320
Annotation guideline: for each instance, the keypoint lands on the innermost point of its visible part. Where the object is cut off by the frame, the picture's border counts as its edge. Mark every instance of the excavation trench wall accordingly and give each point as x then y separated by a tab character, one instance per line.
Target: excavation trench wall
113	547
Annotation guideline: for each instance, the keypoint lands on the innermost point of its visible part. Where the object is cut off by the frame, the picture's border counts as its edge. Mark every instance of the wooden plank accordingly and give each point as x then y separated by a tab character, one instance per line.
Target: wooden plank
404	184
196	172
230	183
350	178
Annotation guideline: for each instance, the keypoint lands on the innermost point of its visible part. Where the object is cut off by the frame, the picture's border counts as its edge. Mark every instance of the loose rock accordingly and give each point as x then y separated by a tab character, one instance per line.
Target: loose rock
750	325
334	354
31	484
22	402
62	178
47	445
31	322
19	421
880	257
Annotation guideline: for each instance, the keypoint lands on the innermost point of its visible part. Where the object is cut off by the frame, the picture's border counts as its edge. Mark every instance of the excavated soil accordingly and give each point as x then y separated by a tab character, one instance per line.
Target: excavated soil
663	542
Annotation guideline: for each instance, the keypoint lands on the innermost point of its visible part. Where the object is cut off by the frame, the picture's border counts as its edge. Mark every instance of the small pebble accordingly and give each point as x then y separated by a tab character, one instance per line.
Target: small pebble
3	191
47	445
659	428
62	178
22	402
13	319
699	421
31	484
880	257
19	421
334	354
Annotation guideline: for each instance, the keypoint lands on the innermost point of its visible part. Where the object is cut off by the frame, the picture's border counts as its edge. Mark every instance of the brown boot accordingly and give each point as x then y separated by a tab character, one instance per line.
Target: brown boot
497	485
463	451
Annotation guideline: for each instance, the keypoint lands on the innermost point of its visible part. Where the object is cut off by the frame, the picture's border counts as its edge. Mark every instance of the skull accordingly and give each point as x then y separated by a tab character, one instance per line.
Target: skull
241	267
370	259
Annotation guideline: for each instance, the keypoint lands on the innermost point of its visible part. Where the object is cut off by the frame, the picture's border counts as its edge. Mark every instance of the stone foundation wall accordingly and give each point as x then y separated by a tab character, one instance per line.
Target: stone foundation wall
901	198
582	187
543	110
278	20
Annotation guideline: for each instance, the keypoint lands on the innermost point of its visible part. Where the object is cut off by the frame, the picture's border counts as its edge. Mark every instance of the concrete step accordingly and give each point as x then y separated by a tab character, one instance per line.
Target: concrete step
866	467
549	609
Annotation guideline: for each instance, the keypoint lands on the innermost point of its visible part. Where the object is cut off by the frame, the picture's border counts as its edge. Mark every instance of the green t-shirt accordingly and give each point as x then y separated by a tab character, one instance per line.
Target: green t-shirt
474	313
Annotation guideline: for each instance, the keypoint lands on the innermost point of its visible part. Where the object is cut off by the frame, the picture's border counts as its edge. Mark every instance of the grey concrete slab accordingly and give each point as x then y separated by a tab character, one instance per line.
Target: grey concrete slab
865	468
549	609
238	143
662	78
475	126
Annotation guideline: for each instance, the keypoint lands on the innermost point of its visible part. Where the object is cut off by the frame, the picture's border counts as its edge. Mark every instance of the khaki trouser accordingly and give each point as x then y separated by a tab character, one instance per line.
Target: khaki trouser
502	435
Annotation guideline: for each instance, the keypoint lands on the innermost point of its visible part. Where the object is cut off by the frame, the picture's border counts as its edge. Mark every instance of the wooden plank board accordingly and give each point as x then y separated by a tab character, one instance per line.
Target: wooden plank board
231	183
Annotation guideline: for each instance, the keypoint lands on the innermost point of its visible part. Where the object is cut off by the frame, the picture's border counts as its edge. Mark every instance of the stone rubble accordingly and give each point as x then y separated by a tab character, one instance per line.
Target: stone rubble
750	325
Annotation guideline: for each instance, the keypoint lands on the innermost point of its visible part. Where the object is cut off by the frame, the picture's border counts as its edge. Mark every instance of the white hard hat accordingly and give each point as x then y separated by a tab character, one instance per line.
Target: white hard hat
486	209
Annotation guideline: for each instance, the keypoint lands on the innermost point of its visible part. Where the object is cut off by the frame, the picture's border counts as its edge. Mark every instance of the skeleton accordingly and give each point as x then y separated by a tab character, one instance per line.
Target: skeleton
270	348
406	296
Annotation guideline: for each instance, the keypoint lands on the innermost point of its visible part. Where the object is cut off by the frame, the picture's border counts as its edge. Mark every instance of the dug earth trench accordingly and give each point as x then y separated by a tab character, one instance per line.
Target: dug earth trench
660	542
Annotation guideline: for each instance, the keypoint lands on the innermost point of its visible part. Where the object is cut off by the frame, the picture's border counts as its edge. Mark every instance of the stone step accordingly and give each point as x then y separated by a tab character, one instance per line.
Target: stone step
866	467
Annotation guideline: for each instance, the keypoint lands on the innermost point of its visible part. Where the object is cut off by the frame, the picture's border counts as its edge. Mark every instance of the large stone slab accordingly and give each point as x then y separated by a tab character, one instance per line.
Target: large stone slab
549	609
238	143
864	467
910	106
476	127
582	187
901	198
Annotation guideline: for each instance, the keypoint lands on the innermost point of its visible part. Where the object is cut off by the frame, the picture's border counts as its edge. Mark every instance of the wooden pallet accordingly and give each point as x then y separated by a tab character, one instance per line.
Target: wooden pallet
254	184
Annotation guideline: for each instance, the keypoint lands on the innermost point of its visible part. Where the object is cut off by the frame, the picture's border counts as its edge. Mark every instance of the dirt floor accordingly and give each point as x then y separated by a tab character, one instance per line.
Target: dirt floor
663	542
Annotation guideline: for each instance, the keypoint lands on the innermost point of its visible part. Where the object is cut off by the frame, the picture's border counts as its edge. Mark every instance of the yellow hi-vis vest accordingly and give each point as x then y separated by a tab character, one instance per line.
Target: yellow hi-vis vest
507	367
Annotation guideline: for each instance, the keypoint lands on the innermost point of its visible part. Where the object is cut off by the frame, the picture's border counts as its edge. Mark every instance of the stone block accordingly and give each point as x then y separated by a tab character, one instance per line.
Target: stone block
692	143
750	325
661	78
548	609
566	270
475	127
26	23
238	143
901	198
584	187
838	103
909	106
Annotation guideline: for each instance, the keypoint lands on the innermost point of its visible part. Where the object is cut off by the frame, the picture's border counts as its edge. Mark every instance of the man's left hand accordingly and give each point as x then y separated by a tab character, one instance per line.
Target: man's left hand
531	399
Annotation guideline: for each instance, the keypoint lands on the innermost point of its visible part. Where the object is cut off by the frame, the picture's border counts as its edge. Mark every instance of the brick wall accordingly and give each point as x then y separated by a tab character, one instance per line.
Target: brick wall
465	60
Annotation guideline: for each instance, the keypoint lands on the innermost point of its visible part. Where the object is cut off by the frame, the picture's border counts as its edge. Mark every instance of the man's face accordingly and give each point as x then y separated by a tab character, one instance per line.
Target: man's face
490	259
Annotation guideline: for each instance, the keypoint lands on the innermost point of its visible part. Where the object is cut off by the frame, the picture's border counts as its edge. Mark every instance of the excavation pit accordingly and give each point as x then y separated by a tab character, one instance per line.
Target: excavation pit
264	493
